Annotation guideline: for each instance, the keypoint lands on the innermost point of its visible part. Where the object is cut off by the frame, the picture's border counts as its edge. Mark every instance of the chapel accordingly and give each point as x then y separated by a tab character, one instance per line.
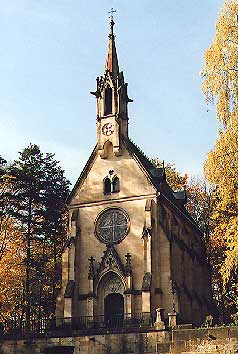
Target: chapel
132	246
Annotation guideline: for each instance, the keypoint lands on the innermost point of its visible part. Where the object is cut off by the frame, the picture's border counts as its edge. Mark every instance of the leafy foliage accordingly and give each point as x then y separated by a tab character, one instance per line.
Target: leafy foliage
12	268
221	166
221	65
199	195
199	203
173	177
11	255
34	213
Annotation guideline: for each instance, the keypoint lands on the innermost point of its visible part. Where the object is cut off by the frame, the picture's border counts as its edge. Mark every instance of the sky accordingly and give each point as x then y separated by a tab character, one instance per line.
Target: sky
52	51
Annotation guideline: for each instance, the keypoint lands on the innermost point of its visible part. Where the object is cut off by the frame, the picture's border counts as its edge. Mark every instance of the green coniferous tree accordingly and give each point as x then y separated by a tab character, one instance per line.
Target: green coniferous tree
40	191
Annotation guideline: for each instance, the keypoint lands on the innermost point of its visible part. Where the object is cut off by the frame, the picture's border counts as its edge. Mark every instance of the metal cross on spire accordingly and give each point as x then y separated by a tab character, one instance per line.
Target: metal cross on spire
111	12
111	22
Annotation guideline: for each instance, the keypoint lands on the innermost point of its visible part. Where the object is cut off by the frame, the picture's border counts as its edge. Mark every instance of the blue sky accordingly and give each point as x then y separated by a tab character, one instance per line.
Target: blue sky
52	51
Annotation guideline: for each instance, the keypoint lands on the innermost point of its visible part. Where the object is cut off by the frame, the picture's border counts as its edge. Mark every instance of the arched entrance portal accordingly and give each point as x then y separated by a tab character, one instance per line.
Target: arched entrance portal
114	309
110	298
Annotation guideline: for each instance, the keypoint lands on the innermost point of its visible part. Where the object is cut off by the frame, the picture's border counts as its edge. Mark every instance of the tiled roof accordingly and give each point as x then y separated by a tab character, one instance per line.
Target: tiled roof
158	178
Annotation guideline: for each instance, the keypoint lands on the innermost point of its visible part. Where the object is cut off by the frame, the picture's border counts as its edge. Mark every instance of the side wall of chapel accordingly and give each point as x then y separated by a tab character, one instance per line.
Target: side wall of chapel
189	270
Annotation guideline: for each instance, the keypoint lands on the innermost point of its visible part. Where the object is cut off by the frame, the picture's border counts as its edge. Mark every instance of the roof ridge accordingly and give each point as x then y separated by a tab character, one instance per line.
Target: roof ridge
141	152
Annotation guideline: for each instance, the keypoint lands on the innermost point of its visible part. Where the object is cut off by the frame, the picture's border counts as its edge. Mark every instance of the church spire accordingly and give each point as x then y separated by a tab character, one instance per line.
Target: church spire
112	61
112	102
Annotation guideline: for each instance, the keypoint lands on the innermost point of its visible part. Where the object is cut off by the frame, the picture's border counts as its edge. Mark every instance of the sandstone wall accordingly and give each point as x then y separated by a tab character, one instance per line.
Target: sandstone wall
179	341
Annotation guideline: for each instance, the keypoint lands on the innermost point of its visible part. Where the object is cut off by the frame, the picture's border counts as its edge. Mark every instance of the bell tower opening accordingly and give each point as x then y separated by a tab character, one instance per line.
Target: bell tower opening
108	101
114	310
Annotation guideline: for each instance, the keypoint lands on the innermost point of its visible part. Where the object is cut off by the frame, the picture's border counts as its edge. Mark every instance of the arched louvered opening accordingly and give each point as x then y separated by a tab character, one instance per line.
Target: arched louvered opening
107	186
108	101
115	185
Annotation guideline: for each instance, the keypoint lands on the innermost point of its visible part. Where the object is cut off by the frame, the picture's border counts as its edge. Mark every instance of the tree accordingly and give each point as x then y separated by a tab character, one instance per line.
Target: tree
200	203
199	195
173	177
38	199
220	85
11	255
2	164
221	168
220	72
12	271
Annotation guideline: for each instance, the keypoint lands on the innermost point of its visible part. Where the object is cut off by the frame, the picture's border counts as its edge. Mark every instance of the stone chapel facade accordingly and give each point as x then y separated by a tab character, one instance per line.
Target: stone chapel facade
132	245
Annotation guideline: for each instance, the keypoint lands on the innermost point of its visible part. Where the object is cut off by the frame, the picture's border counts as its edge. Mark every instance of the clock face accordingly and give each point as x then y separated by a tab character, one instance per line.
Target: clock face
108	129
112	225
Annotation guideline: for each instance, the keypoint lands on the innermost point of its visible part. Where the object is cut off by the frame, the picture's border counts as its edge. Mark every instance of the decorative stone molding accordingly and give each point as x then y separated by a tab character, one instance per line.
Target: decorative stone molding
86	296
68	243
91	274
128	269
69	291
146	283
159	322
110	261
172	319
158	291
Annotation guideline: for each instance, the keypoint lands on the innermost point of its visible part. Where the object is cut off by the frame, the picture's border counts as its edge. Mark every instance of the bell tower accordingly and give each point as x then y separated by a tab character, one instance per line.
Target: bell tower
112	101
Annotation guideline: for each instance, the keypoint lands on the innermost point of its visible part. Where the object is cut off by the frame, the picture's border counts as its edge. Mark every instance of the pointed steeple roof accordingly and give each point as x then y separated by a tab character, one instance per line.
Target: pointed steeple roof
112	61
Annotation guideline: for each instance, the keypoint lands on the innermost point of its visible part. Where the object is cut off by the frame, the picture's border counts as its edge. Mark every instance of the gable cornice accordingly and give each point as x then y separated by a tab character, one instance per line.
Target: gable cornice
83	174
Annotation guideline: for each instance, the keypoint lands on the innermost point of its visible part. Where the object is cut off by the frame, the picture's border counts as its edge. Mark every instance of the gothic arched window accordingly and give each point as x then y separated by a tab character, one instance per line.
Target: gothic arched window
108	101
115	185
107	185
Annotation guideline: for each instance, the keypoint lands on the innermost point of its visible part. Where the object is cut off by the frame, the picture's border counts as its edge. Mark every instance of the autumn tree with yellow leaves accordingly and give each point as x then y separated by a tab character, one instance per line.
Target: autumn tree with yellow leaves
12	270
220	72
12	267
220	86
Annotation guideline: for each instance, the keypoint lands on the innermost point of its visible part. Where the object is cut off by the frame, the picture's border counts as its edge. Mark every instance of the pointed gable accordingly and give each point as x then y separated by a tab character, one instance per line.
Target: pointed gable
110	262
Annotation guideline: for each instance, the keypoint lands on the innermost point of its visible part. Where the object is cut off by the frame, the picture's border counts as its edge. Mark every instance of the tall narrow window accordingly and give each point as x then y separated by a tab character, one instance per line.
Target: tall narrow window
115	185
107	186
108	101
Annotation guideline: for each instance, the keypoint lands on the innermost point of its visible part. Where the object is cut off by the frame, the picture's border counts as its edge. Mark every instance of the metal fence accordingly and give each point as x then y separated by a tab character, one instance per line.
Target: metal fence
17	327
113	321
46	325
